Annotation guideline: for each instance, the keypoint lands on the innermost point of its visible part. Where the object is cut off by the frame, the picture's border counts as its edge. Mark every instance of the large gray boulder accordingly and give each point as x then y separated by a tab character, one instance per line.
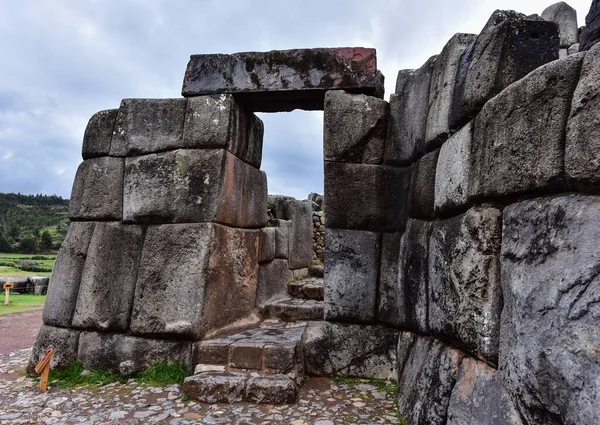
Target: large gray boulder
413	277
591	32
97	192
426	381
129	355
148	125
510	46
300	233
566	18
66	275
218	121
381	192
194	185
408	115
387	308
351	271
284	80
350	350
108	278
64	341
465	297
98	134
479	398
519	141
421	195
354	128
273	279
441	90
582	163
549	358
194	278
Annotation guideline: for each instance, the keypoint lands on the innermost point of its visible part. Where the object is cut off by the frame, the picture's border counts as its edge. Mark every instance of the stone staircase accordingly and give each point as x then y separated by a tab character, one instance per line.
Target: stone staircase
305	301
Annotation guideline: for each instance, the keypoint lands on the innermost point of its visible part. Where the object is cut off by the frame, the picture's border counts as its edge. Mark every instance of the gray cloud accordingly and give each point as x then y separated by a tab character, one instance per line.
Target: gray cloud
66	59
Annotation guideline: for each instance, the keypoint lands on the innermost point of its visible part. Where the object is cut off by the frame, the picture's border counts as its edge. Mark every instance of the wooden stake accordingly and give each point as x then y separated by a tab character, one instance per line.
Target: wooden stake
43	367
7	287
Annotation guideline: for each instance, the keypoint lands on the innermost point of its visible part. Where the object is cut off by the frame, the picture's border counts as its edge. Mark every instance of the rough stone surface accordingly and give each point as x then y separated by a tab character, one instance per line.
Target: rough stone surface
284	80
453	172
98	190
225	387
276	389
194	278
519	139
39	284
282	236
479	398
299	214
273	279
108	278
421	195
387	309
66	275
573	49
193	186
441	91
510	46
148	125
413	277
296	309
98	134
351	271
426	382
408	115
380	190
246	355
281	357
566	18
350	350
354	126
582	163
549	357
465	296
113	351
64	341
212	351
267	245
218	121
591	32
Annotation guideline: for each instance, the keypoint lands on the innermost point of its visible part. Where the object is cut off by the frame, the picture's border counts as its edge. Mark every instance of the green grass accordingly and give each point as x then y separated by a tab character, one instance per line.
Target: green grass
9	264
21	303
164	374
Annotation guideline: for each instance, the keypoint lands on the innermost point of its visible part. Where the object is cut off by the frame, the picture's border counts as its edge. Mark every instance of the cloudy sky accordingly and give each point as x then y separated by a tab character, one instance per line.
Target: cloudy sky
63	60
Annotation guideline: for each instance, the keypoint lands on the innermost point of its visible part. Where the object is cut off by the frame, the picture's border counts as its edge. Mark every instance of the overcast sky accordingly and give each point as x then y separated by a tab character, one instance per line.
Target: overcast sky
64	60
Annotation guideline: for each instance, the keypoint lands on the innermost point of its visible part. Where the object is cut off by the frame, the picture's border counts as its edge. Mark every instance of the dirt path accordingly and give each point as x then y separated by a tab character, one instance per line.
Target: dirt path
18	330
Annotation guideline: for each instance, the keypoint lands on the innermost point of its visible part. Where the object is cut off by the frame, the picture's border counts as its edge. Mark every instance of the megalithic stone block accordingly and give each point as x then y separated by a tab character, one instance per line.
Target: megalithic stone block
510	46
519	141
566	18
108	279
194	186
64	341
355	126
194	278
284	80
66	275
549	358
591	32
267	245
421	195
299	214
98	134
273	279
387	309
98	190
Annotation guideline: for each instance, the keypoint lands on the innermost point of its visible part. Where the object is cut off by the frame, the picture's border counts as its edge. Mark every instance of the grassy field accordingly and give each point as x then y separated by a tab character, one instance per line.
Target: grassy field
21	303
9	264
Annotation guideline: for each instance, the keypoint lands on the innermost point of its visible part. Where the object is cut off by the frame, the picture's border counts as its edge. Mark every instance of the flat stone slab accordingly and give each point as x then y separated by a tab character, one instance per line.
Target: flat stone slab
296	309
284	80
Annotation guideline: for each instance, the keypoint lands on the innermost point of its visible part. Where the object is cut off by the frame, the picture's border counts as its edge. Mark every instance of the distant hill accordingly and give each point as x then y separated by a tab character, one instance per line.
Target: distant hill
32	223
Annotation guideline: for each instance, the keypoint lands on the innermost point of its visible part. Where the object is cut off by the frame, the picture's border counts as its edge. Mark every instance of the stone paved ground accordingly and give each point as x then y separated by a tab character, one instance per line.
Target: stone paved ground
321	402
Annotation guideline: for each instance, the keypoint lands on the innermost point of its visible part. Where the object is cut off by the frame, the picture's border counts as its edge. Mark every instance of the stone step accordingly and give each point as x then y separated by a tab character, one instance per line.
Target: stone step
296	309
310	288
233	387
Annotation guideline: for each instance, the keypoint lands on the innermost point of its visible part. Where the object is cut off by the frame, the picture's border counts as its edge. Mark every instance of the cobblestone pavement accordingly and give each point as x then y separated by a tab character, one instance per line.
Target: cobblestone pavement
321	402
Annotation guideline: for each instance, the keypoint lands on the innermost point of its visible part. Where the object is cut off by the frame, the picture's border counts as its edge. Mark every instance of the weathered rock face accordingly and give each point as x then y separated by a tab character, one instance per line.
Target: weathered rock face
387	309
299	213
591	33
479	398
194	278
350	350
465	297
267	245
422	187
273	279
284	80
381	190
64	341
566	18
582	164
355	126
518	145
351	269
549	358
193	185
98	190
509	47
426	381
98	134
